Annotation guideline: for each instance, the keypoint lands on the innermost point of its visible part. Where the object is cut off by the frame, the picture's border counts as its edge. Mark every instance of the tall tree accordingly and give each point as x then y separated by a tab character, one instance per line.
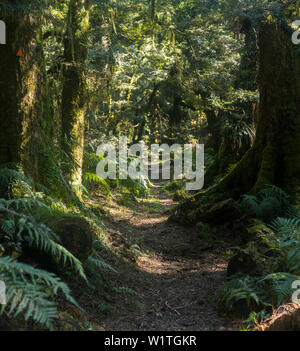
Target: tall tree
275	155
25	109
74	87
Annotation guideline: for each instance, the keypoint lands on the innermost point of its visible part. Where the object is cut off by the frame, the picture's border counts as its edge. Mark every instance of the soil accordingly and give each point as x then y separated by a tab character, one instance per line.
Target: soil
170	274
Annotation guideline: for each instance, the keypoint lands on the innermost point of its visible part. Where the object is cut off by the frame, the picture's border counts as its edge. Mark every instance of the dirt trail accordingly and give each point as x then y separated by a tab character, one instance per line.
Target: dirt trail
175	270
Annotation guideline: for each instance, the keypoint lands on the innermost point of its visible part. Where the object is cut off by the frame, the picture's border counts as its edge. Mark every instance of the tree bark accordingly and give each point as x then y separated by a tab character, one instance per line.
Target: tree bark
74	88
275	155
25	110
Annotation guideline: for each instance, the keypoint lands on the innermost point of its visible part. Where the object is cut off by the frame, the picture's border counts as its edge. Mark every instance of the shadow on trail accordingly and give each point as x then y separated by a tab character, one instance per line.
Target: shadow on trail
175	270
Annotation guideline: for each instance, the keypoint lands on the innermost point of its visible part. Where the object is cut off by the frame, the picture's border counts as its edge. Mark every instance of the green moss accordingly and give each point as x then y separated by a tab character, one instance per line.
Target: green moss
74	90
275	156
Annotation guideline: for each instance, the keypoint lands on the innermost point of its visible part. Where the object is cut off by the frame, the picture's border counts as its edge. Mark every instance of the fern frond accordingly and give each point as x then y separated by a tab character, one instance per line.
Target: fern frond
26	291
269	203
272	191
23	227
101	264
94	178
286	226
281	285
8	176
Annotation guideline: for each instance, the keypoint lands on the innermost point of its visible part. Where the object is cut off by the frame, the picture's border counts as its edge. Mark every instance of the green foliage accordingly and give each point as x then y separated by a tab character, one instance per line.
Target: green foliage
99	263
162	65
13	182
239	289
287	241
94	178
269	203
279	286
255	292
180	195
176	189
138	187
275	287
256	318
21	226
30	291
154	71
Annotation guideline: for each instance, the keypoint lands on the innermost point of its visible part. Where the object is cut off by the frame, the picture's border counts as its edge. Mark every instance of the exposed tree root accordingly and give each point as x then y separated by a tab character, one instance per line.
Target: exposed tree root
286	318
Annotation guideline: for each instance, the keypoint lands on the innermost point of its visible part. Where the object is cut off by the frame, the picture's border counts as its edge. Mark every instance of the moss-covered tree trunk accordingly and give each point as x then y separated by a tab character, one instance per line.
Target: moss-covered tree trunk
25	109
275	155
74	87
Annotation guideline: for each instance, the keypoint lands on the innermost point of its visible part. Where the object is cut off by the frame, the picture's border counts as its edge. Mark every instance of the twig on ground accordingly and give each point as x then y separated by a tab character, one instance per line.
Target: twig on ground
172	309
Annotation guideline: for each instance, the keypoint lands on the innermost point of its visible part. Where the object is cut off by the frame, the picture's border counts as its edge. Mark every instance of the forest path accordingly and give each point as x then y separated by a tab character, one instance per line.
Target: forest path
175	270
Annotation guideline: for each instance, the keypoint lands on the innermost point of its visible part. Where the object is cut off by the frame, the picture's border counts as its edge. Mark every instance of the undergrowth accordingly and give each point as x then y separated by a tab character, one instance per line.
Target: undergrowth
258	294
24	208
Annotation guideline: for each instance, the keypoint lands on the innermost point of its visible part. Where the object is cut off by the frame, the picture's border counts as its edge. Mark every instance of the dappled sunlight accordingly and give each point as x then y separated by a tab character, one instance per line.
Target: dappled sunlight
149	165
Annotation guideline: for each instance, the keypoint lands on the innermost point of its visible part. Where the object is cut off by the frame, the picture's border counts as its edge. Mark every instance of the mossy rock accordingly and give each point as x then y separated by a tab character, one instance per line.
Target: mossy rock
75	235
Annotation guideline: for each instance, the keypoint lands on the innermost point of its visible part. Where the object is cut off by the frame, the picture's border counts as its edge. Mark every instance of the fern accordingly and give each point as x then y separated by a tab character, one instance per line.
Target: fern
94	178
8	176
19	184
30	291
124	290
98	262
286	227
273	191
24	228
269	203
27	291
22	203
287	231
238	288
14	183
281	285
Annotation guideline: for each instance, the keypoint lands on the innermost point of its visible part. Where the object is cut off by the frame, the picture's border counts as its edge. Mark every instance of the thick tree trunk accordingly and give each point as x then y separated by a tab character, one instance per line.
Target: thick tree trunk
275	155
74	88
25	111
